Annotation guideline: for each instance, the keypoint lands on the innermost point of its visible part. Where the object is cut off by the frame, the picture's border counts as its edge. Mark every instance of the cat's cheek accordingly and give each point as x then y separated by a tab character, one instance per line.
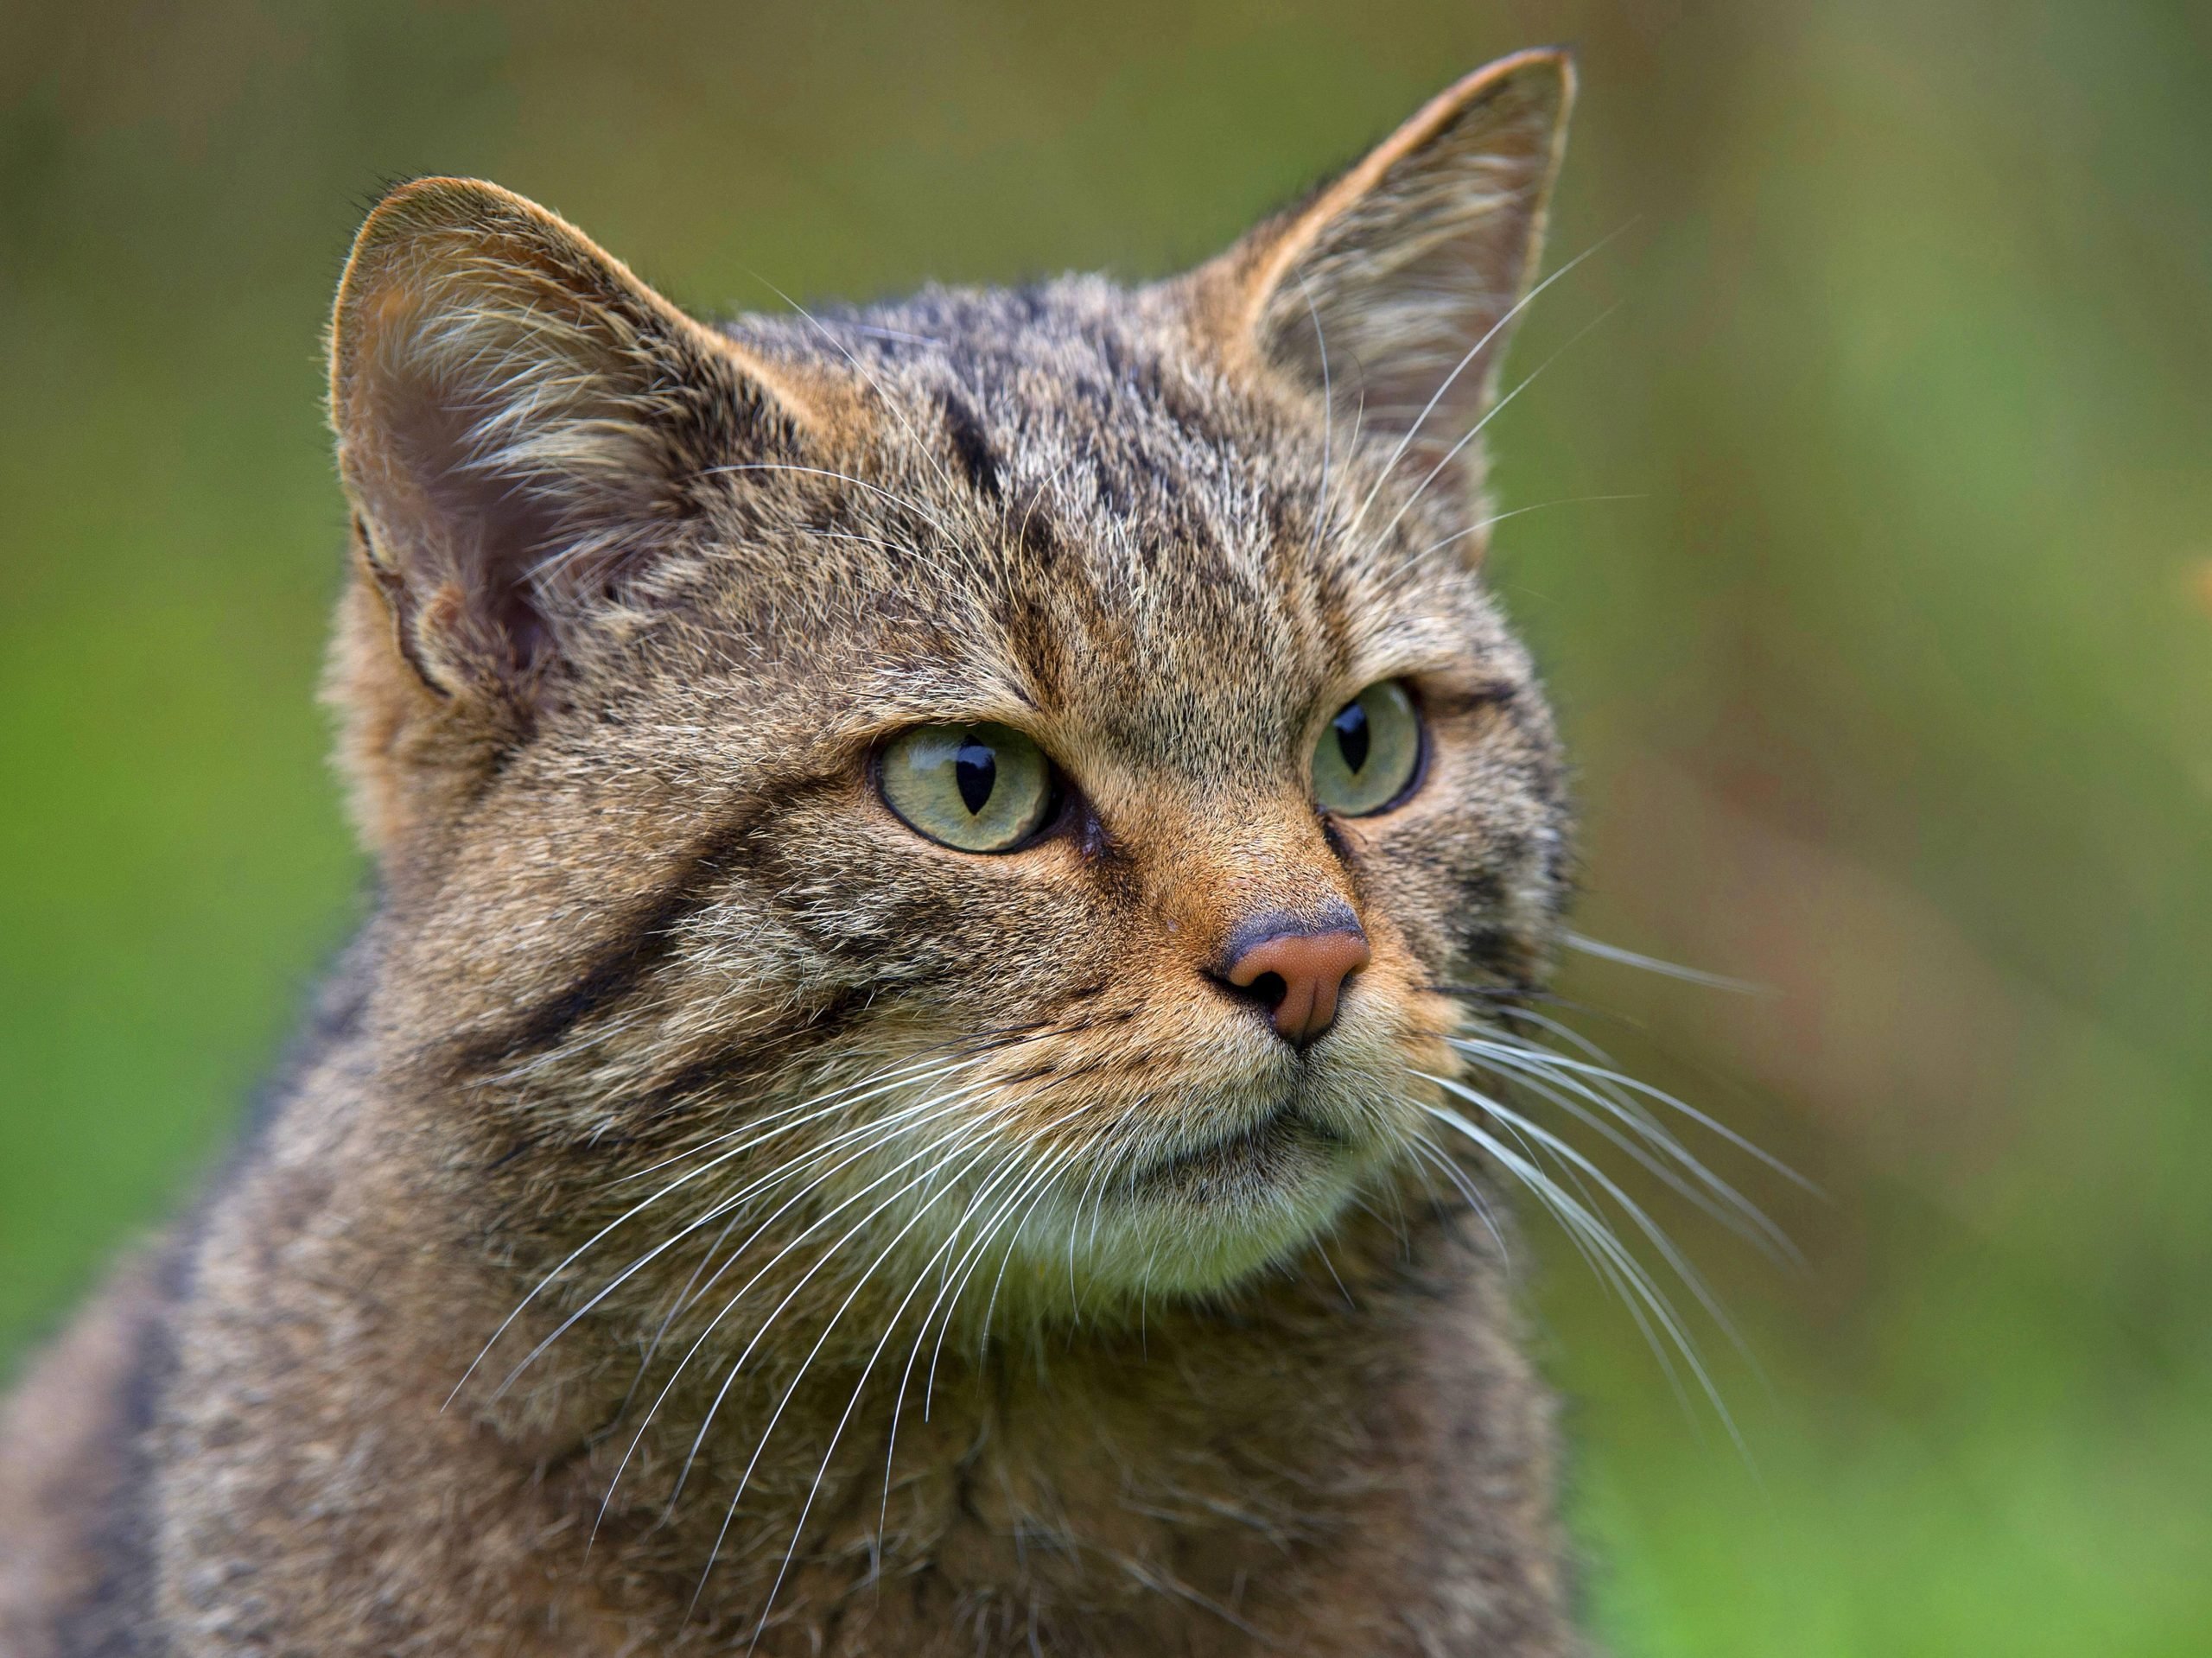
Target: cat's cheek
1468	870
881	902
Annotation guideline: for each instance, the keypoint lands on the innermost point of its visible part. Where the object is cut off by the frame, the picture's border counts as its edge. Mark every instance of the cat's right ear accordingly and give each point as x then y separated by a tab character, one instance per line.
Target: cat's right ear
520	423
1392	291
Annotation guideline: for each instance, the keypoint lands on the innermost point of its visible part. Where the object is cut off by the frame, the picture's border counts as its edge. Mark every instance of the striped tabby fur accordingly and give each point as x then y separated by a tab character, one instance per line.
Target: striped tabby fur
709	1217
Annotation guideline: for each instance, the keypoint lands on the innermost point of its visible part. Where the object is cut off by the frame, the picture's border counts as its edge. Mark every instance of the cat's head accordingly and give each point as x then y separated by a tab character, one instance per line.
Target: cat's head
1020	760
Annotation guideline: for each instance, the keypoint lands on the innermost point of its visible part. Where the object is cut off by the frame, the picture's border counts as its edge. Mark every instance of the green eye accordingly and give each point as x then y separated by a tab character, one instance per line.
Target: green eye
977	788
1369	754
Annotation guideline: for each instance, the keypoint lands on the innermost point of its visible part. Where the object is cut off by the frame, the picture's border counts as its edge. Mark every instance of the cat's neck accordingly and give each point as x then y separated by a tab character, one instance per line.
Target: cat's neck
1168	1468
1102	1469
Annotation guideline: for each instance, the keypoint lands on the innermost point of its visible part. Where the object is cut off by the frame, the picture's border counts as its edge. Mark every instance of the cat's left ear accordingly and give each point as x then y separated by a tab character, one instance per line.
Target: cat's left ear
1393	290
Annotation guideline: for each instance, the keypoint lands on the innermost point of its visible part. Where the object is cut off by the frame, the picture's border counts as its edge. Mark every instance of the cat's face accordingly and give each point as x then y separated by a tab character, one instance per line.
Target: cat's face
1003	774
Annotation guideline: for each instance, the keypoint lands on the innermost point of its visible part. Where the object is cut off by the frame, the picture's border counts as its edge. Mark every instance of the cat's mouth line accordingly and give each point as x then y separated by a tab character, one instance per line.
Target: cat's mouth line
1256	1145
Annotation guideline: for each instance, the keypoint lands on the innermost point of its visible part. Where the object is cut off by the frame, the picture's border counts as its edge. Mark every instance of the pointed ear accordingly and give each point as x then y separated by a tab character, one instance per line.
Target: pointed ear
519	421
1393	290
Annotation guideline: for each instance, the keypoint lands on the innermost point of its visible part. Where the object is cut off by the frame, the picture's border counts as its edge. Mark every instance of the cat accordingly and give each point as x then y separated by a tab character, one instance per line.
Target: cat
900	1096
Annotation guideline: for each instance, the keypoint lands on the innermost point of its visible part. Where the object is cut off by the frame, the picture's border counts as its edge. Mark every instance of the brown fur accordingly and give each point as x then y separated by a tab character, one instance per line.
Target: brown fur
637	601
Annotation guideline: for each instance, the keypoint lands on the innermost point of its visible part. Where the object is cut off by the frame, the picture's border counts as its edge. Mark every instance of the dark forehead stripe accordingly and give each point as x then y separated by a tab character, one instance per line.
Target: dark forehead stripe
1061	370
978	461
1136	534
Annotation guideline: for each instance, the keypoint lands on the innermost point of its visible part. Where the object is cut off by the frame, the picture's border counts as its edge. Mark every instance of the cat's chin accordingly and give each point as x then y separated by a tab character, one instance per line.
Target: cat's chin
1206	1219
1280	1149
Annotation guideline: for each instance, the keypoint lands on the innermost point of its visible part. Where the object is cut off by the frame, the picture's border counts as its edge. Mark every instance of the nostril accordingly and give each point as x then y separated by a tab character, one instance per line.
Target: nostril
1268	990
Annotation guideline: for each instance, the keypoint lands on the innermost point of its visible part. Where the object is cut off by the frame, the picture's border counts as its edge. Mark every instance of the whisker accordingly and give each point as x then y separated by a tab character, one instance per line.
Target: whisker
1673	1257
901	1118
1488	415
1619	1079
681	1302
1481	524
963	1273
1445	385
860	369
1321	1247
1565	1033
1734	1210
1614	953
1598	1056
870	1136
1513	995
944	1110
906	1075
1093	1187
1042	1185
591	1242
837	1433
775	1415
892	496
1010	1165
916	1067
1578	1219
1328	420
881	1126
1433	1156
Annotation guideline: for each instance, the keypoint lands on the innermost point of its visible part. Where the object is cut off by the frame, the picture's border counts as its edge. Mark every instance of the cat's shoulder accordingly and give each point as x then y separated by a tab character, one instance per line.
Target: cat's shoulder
73	1471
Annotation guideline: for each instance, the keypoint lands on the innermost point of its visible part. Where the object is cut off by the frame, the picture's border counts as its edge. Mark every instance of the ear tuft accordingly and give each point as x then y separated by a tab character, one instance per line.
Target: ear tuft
1395	288
518	419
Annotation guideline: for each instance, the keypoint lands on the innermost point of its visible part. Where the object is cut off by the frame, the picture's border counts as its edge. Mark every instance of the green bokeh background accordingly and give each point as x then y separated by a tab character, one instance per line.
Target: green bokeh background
1890	677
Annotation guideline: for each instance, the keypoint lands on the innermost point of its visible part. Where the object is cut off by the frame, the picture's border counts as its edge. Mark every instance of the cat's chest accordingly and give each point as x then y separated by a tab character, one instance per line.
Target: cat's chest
1063	1524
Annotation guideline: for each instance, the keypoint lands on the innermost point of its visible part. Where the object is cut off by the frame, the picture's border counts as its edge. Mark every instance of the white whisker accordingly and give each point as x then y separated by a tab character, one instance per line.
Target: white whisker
1481	524
591	1242
1532	1070
1690	1278
1041	1186
1011	1165
1605	952
892	496
860	369
1488	415
1580	1220
1620	1080
1433	1156
1445	385
923	1067
1328	421
882	1126
837	1433
799	1375
964	1272
942	1110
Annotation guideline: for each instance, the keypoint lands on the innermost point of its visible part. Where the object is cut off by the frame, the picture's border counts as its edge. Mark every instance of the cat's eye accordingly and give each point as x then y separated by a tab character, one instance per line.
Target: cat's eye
983	788
1369	754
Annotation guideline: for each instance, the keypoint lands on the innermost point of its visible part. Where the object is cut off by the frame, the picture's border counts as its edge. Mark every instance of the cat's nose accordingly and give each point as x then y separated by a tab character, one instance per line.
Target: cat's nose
1296	969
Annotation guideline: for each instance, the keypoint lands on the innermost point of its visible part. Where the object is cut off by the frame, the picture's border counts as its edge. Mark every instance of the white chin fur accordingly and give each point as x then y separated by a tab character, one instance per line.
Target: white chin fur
1191	1234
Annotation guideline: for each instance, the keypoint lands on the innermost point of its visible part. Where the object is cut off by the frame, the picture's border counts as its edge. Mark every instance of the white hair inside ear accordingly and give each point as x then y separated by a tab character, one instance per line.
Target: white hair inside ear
1393	291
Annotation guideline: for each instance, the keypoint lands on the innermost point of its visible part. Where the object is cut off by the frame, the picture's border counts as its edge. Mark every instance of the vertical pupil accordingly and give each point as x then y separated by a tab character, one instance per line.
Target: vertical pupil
1353	736
975	769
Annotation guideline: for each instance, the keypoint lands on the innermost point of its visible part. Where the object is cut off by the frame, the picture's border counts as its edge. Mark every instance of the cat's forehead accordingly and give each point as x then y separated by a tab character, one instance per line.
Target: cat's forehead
1114	522
1079	416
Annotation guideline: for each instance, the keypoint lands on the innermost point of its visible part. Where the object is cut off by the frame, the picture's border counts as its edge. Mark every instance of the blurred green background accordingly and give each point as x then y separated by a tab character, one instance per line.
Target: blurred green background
1891	681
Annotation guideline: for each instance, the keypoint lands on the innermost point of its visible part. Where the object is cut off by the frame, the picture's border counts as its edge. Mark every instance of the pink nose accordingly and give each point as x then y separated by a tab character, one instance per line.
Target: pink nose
1298	975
